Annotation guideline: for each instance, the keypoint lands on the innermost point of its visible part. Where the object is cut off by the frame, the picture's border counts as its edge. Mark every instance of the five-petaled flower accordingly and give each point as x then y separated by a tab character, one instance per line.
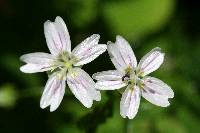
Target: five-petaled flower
135	77
65	65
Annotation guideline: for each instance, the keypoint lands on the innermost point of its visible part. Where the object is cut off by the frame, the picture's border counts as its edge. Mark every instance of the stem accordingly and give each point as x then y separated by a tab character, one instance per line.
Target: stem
128	126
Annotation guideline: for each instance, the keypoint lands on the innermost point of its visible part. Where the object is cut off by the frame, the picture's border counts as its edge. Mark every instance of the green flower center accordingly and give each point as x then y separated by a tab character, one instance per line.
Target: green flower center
66	60
63	63
132	77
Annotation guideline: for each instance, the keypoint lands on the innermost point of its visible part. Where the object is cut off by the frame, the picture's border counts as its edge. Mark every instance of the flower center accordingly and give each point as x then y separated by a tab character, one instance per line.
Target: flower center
64	62
132	77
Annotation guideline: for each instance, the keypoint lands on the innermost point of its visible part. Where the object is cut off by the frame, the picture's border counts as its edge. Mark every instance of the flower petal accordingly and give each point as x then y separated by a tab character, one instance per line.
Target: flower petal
57	36
91	54
121	54
130	102
34	68
82	86
86	44
37	62
109	85
109	80
37	58
88	81
88	50
157	92
53	92
108	75
151	61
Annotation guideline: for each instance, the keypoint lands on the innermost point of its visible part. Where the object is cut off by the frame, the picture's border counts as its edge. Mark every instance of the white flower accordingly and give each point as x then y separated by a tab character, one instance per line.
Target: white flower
64	64
135	77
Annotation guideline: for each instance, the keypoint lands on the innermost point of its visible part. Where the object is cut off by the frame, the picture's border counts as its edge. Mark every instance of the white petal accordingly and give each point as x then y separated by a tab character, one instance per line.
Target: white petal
88	50
109	85
58	96
57	36
34	68
108	75
37	58
121	54
127	51
90	54
151	61
64	34
88	81
159	86
37	62
130	102
53	92
109	80
86	44
82	86
157	92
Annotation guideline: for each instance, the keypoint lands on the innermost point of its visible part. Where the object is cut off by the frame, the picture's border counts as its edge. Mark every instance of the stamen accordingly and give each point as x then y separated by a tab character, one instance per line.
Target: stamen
126	77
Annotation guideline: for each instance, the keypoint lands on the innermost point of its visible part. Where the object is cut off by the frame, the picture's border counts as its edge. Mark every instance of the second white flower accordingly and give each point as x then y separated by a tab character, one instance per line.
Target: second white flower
135	77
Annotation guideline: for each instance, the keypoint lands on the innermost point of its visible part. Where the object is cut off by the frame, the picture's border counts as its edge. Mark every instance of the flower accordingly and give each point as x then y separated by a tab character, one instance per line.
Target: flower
135	77
65	65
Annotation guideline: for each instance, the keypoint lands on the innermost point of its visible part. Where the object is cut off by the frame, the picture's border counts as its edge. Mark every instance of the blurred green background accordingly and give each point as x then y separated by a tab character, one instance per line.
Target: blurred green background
172	25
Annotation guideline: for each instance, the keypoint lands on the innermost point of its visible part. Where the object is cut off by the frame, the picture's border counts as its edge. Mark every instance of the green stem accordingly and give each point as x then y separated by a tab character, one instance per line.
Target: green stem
128	126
